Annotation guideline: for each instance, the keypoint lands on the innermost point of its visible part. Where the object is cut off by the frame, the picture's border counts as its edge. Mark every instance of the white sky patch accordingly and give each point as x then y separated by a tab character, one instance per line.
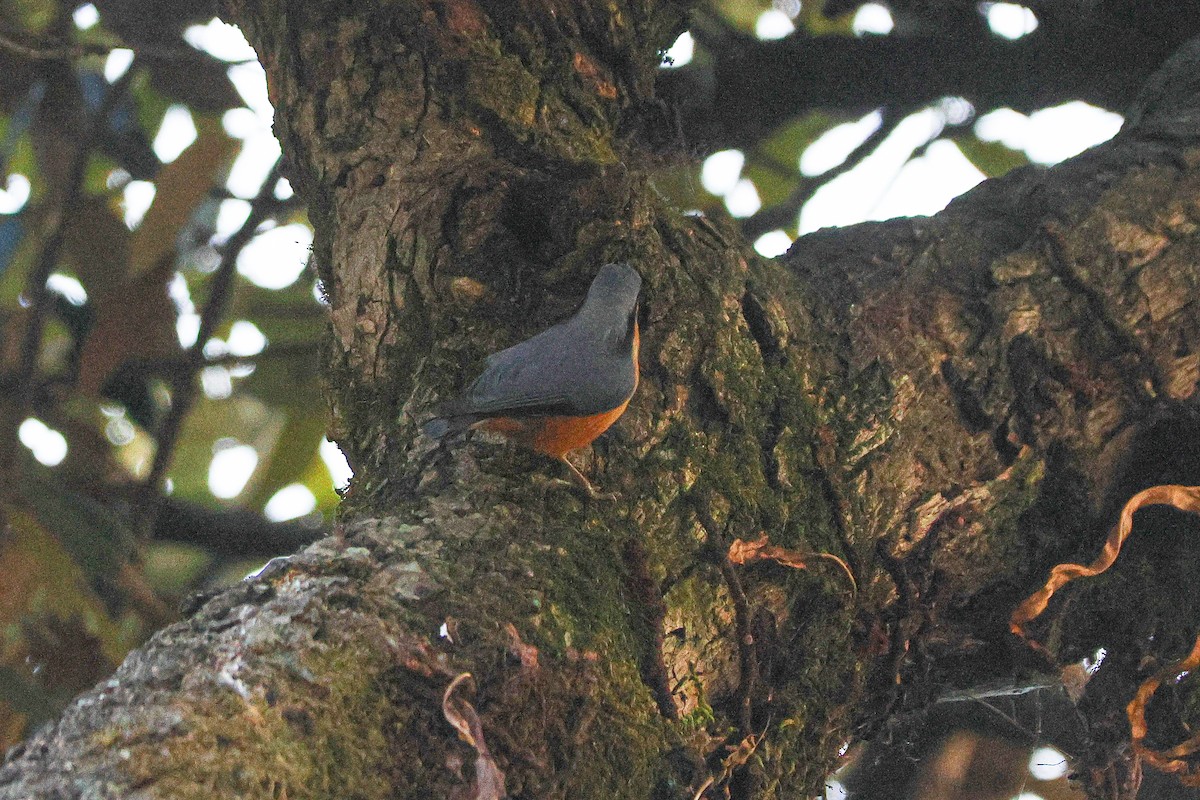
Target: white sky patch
245	339
743	200
117	62
721	171
1009	20
217	383
1028	796
873	18
86	16
926	184
832	147
231	467
283	189
220	40
772	244
1004	125
773	24
240	122
1050	135
854	196
956	110
187	328
1047	764
275	259
15	193
252	125
834	790
331	454
251	82
681	52
250	169
176	132
290	502
215	348
136	198
47	445
187	323
181	296
231	215
68	287
1059	133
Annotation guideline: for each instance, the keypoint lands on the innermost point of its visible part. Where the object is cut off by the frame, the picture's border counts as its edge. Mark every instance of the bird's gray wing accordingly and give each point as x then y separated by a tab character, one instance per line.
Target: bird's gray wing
552	373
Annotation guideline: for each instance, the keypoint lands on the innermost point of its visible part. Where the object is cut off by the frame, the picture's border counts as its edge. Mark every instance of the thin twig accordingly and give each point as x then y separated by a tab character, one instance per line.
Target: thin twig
52	52
36	293
72	51
166	367
183	388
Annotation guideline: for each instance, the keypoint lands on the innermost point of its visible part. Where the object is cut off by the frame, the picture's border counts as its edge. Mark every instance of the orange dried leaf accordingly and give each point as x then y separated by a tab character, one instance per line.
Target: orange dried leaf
1185	498
489	778
527	654
1171	759
743	552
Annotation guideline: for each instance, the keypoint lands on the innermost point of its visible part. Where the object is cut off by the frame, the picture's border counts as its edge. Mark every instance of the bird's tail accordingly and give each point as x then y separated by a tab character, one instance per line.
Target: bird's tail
441	427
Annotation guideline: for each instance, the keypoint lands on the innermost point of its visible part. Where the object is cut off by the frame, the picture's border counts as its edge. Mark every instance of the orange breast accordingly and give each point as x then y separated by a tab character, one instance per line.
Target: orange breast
557	436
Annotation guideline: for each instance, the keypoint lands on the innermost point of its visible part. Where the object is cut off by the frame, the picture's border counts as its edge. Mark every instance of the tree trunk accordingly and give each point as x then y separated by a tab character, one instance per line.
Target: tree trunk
948	405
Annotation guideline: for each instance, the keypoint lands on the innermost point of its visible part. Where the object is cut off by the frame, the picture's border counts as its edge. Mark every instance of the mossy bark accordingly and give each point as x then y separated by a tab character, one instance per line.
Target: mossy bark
949	405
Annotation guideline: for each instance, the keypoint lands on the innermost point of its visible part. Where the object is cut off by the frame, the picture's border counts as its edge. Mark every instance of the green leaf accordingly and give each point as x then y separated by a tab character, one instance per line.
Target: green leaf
94	536
292	455
741	14
320	482
173	568
992	158
243	418
772	185
785	144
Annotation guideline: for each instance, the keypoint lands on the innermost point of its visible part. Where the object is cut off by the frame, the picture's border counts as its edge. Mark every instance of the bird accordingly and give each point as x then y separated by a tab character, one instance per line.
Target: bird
559	390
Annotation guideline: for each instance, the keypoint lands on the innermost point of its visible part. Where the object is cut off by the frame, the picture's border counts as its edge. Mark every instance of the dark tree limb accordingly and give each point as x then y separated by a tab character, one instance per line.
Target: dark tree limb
234	533
62	208
183	387
752	87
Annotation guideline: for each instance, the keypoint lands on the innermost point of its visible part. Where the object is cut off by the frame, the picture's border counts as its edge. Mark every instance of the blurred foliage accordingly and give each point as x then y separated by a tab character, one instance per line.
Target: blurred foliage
772	164
81	582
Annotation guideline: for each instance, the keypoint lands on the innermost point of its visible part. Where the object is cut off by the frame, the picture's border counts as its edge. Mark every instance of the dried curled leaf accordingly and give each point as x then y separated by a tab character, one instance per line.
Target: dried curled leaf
1172	758
743	552
1185	498
489	778
527	654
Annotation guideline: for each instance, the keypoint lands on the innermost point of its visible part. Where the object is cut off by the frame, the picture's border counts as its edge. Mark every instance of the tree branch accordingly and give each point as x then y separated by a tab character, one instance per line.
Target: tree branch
61	214
750	96
183	389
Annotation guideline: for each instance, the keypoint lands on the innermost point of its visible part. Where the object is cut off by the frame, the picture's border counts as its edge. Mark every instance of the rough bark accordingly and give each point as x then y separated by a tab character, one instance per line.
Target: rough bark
950	405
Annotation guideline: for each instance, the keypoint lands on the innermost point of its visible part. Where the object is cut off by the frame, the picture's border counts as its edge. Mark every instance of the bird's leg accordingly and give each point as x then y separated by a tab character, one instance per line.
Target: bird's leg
585	484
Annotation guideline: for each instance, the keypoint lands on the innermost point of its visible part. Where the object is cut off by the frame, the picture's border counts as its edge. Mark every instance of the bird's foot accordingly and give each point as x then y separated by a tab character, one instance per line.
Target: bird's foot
583	483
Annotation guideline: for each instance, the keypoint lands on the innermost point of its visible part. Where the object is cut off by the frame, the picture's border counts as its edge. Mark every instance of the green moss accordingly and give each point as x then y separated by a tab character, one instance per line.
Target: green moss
311	741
